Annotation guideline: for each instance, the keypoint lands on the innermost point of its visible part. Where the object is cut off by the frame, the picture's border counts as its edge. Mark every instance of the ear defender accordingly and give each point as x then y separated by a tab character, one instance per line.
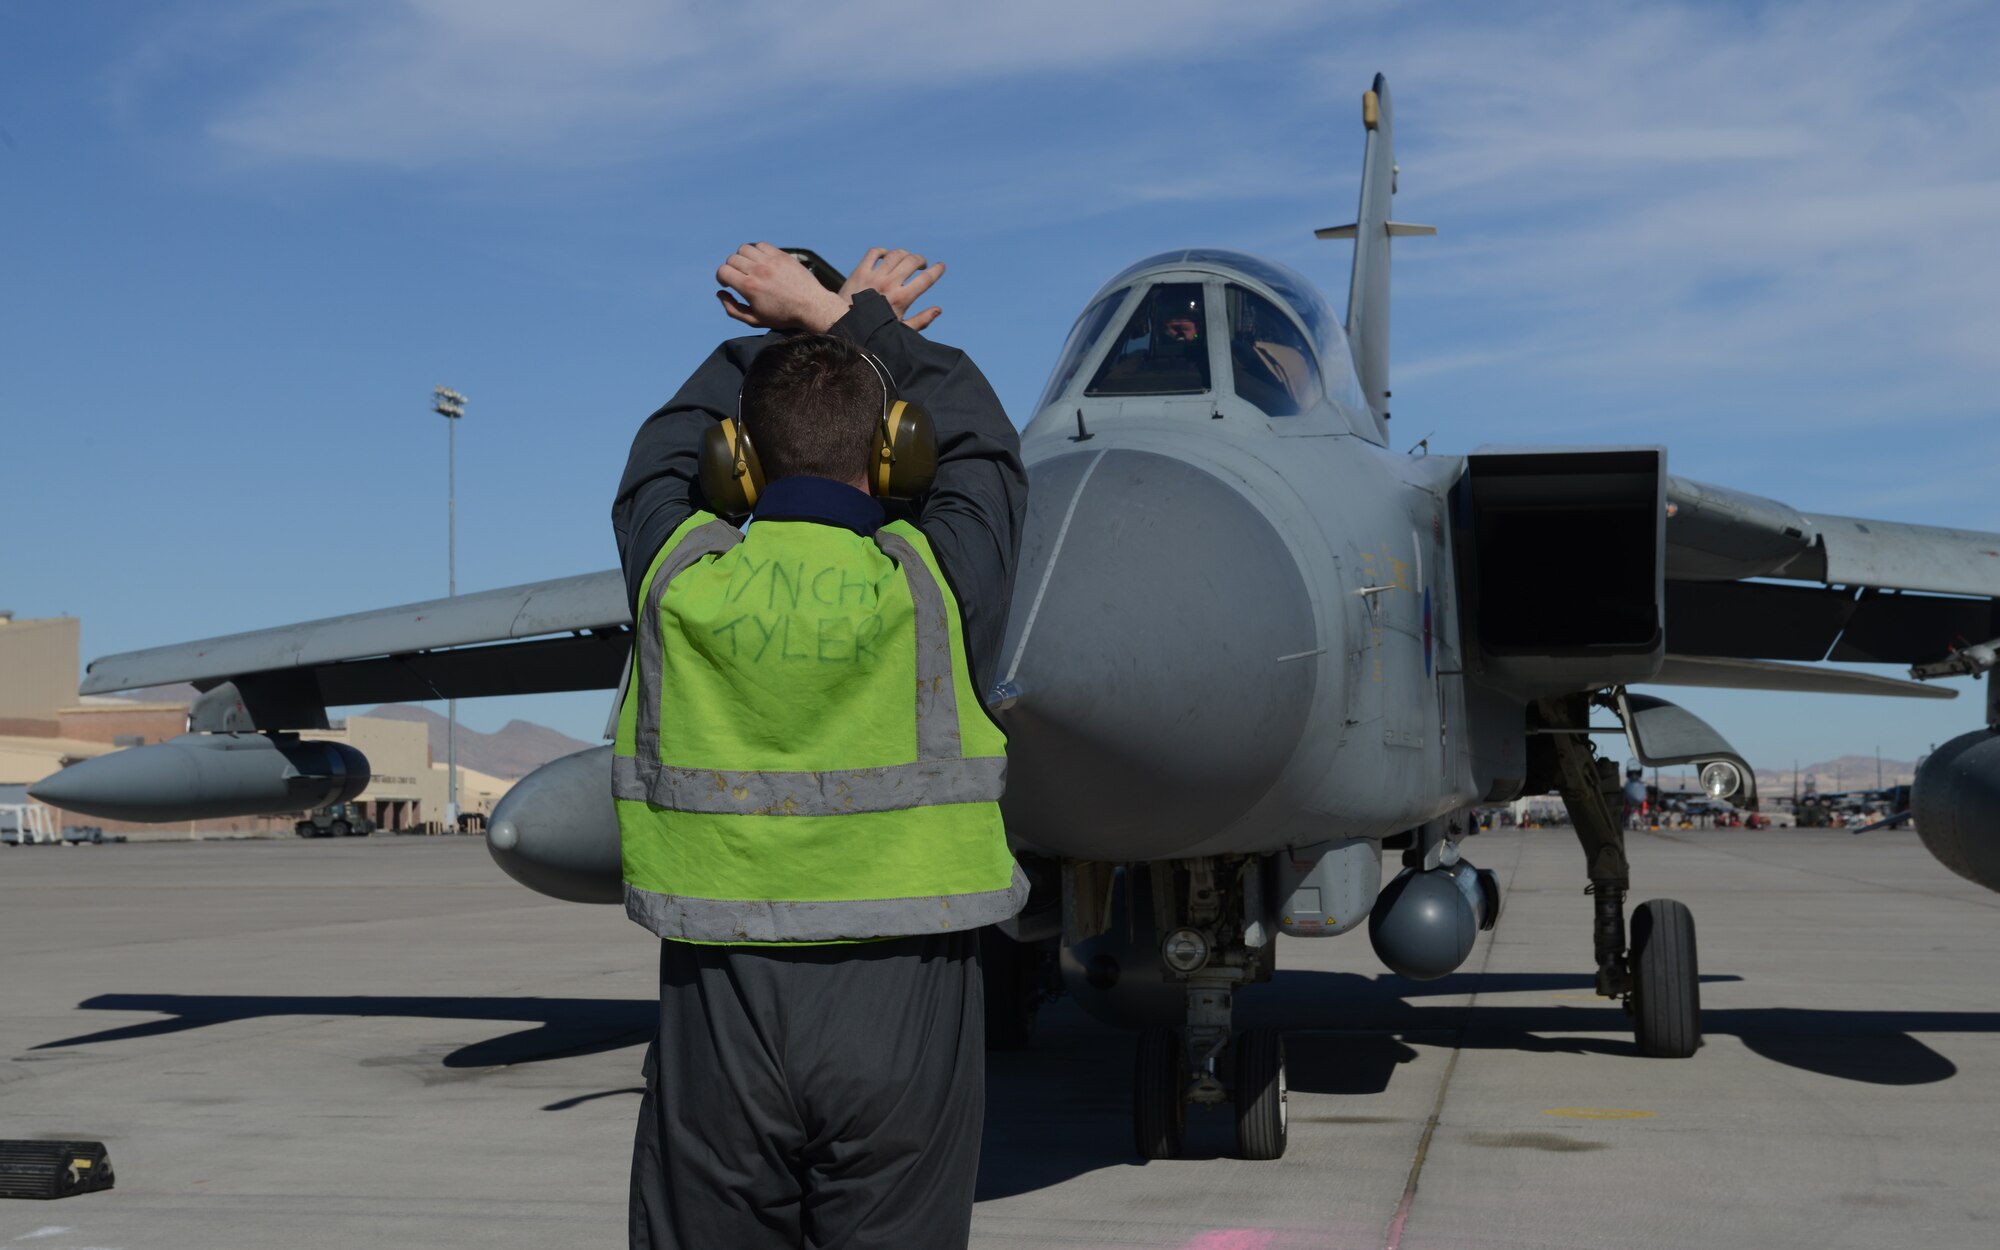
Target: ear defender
902	457
731	477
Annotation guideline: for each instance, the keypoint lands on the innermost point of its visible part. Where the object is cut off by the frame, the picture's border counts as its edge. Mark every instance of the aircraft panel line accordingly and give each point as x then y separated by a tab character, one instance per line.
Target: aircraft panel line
1049	570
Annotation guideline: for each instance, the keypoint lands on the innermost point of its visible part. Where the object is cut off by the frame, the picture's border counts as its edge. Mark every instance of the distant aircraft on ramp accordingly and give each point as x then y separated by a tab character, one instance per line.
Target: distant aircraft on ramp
1252	645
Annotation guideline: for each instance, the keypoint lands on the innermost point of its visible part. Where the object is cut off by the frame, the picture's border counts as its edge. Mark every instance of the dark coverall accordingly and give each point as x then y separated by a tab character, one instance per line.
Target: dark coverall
823	1096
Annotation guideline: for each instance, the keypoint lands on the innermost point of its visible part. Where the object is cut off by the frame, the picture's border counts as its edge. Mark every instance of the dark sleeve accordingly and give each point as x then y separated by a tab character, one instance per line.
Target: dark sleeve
973	513
662	485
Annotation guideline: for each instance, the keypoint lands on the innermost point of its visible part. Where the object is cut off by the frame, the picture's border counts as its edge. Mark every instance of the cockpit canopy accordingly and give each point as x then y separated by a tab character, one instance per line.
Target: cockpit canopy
1173	323
1162	350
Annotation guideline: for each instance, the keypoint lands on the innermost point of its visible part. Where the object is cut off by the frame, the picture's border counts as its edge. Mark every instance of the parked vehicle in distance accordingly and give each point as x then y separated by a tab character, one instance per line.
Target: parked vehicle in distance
338	821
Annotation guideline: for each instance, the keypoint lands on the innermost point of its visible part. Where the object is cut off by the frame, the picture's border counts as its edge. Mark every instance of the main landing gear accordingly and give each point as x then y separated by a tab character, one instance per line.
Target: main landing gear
1213	937
1656	976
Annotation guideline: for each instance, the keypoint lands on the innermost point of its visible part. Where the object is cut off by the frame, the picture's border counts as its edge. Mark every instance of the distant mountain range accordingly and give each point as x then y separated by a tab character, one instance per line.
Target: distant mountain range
1849	772
517	749
523	746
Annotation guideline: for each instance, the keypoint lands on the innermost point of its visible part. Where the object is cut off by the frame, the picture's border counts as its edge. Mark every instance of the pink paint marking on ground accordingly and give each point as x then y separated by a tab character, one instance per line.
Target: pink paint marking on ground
1234	1239
1396	1225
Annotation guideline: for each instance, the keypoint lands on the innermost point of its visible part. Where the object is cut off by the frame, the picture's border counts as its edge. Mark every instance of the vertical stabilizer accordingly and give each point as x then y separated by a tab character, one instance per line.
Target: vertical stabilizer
1368	295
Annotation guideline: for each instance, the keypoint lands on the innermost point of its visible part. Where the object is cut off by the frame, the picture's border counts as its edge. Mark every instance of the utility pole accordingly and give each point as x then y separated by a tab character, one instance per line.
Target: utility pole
450	405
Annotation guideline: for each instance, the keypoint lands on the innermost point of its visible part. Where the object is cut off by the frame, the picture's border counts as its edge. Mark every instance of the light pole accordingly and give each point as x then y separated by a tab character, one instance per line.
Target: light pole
450	405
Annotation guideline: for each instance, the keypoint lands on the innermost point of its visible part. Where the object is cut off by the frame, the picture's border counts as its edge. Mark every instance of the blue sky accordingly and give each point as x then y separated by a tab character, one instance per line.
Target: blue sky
244	238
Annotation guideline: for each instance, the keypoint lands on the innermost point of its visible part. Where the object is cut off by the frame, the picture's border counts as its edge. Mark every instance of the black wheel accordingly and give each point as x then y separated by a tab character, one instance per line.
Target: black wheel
1159	1095
1666	980
1262	1123
341	829
304	829
1011	974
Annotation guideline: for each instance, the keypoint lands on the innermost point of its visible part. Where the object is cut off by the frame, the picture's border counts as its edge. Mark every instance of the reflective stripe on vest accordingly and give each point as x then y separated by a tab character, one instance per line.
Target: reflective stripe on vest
833	792
751	920
711	539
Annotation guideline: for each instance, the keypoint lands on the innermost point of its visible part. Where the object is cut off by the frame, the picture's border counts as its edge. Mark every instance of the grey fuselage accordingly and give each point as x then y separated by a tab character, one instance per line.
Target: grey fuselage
1232	631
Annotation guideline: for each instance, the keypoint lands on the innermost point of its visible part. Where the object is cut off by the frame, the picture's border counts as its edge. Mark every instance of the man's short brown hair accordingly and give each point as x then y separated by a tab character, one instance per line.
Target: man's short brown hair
810	405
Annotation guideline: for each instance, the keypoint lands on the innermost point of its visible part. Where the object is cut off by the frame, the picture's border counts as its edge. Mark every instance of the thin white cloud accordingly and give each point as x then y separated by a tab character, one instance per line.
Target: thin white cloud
1691	196
415	83
1662	198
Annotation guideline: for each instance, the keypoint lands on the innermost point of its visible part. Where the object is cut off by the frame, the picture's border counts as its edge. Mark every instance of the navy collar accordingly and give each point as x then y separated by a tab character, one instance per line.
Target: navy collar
820	499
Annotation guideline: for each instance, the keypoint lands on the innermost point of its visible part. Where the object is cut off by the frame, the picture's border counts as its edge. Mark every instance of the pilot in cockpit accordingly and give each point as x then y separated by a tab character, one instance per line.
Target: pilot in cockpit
1179	320
1163	350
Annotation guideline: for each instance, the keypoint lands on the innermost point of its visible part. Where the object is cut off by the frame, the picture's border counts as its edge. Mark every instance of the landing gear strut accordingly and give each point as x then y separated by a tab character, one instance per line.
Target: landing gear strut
1213	938
1655	976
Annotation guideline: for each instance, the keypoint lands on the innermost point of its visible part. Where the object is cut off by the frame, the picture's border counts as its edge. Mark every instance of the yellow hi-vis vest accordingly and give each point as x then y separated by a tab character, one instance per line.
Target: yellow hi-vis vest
801	756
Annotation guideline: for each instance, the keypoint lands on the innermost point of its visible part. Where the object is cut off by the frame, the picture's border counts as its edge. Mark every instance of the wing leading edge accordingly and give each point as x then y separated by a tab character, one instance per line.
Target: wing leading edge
1718	534
570	633
1739	568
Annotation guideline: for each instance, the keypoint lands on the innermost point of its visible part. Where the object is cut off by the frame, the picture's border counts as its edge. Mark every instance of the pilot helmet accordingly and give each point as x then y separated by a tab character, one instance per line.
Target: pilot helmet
1170	305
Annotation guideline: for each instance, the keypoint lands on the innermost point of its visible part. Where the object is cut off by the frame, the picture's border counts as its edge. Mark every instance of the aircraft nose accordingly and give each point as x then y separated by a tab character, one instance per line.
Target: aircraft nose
1159	652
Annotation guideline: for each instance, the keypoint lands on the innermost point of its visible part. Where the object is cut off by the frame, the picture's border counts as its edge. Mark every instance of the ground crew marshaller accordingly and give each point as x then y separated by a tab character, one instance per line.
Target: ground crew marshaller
806	779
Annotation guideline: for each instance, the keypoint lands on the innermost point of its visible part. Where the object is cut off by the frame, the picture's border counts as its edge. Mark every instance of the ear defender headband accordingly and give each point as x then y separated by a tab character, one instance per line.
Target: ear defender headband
902	455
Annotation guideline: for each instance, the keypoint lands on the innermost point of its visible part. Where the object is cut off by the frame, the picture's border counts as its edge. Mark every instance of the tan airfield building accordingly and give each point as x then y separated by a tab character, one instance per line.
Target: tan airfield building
45	726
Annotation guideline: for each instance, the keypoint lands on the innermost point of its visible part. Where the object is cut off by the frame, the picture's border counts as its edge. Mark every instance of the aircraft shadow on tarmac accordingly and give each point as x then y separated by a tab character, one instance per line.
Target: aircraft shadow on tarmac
564	1027
1061	1108
1346	1033
1874	1047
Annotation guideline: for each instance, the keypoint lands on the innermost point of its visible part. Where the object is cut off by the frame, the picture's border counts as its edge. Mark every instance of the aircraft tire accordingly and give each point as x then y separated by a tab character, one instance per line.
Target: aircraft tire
1262	1120
1007	972
1159	1095
1666	980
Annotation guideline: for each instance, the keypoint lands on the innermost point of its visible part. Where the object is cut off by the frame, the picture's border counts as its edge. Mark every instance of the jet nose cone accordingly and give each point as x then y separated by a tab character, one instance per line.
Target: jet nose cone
556	831
64	788
125	785
1161	640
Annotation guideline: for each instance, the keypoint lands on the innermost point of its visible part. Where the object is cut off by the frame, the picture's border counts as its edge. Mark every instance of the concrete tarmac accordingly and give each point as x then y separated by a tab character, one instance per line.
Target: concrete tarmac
384	1042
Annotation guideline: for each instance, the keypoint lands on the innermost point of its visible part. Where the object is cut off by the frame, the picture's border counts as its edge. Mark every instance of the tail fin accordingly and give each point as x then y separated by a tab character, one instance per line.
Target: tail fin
1368	296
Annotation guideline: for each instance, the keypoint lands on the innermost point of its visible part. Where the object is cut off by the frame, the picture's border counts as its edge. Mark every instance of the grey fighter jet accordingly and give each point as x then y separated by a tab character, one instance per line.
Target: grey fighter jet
1254	646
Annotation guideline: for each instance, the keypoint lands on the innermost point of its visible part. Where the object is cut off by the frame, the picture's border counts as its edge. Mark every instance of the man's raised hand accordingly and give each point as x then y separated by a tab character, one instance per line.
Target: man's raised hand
901	276
778	293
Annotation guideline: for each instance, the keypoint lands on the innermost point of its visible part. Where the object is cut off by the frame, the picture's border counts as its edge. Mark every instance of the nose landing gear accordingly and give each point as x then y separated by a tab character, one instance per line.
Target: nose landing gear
1163	1087
1212	949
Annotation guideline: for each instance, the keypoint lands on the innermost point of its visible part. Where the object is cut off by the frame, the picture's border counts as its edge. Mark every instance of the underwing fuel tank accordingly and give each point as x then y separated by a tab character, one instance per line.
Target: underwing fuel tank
1149	682
208	777
556	831
1956	803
